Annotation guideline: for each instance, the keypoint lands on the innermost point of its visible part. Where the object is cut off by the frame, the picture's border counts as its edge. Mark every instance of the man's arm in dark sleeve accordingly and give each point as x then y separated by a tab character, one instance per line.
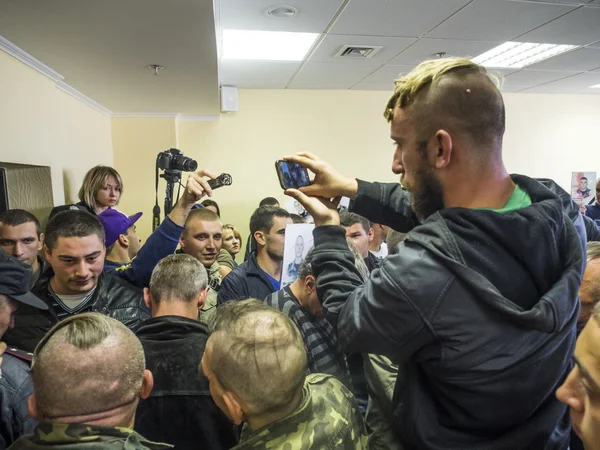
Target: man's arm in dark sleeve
377	317
592	230
385	204
231	289
161	243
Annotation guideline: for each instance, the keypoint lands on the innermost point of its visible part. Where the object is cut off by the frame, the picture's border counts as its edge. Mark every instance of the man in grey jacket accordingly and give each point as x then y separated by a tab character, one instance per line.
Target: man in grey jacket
479	305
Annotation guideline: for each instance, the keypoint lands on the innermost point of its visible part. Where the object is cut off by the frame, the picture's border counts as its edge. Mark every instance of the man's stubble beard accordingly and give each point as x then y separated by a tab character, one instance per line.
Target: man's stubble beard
426	190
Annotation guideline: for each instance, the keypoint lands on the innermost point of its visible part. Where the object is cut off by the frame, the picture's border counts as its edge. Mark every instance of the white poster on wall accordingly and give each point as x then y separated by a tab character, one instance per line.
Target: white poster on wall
298	241
582	187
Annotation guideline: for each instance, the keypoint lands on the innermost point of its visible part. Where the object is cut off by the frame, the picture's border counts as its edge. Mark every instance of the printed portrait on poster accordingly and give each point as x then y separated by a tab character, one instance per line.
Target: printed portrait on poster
298	241
582	187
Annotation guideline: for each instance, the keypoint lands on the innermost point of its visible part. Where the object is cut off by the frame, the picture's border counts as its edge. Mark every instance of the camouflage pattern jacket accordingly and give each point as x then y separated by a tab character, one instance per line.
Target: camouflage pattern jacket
327	418
84	437
214	282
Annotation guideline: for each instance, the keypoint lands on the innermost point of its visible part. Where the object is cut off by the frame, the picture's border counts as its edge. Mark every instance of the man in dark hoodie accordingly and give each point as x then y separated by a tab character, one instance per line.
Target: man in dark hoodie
479	304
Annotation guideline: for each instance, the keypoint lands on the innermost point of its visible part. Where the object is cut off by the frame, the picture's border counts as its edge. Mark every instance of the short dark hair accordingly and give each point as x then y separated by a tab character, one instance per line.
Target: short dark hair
209	202
262	219
14	217
72	223
583	178
297	218
269	201
347	219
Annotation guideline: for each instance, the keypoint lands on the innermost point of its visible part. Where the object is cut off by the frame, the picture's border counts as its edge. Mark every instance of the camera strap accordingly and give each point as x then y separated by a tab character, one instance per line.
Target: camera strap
156	209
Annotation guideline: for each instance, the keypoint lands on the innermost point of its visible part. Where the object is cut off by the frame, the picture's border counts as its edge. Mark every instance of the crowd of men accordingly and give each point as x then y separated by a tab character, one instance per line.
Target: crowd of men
432	314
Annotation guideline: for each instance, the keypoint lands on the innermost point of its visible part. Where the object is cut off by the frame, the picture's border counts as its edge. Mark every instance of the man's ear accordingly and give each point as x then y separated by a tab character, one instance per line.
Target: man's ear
310	284
148	298
443	154
182	241
202	297
260	238
41	242
47	253
123	240
234	409
32	408
147	384
371	234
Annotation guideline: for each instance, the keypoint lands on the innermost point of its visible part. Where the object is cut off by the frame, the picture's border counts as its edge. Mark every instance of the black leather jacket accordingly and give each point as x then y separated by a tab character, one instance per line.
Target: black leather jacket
174	347
15	388
113	297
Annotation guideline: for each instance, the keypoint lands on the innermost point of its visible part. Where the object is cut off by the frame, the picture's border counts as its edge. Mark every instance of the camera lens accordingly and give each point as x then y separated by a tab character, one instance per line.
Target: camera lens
189	165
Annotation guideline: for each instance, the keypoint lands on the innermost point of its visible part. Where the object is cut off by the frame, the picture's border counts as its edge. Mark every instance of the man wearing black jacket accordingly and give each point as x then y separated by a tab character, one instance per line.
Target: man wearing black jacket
174	342
479	305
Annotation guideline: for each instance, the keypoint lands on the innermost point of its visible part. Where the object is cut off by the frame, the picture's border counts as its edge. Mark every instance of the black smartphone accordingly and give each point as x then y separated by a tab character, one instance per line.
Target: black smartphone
291	175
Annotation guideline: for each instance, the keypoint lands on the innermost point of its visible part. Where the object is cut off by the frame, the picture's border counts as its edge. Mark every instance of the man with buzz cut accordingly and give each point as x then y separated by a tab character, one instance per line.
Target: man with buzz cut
481	326
89	373
256	364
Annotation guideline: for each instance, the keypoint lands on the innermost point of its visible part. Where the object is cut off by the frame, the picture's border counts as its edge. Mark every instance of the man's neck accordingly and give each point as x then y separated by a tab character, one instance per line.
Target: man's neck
121	416
258	422
173	307
118	255
269	265
375	245
35	266
490	187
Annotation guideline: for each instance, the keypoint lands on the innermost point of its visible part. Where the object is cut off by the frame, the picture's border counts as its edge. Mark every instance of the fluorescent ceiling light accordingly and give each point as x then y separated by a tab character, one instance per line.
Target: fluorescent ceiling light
520	54
267	45
596	86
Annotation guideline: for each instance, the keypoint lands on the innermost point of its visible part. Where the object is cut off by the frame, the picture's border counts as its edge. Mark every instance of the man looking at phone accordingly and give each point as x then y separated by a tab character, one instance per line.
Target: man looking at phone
482	326
261	274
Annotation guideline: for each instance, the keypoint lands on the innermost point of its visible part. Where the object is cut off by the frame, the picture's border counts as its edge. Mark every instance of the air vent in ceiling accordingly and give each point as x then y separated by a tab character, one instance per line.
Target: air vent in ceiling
357	51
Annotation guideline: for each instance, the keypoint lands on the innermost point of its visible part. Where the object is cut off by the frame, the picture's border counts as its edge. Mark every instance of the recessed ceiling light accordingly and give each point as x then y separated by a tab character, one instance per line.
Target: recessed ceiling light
596	86
267	45
282	12
520	54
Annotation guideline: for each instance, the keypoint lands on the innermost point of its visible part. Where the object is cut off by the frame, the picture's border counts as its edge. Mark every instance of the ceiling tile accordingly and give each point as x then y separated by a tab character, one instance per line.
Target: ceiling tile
427	48
497	20
331	76
313	16
332	43
408	18
595	3
257	74
577	84
529	78
373	86
580	27
564	2
579	60
383	78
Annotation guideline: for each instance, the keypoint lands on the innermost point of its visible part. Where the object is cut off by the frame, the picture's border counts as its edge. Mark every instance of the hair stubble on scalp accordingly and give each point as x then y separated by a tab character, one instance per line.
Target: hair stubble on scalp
86	364
258	354
454	94
178	277
72	223
16	217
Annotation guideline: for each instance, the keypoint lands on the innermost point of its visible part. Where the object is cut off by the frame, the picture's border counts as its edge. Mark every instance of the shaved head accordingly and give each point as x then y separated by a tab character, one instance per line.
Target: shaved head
257	353
87	364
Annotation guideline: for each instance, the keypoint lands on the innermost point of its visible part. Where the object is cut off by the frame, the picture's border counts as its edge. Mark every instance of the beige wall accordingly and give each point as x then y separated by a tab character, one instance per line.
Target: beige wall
136	142
547	136
42	125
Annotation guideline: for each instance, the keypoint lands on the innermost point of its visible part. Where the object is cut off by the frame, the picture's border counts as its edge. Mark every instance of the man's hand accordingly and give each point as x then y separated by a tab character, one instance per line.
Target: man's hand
196	187
323	211
328	183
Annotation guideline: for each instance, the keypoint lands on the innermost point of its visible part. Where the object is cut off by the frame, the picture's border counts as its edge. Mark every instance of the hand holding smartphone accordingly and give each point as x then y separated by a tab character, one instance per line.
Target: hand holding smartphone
291	175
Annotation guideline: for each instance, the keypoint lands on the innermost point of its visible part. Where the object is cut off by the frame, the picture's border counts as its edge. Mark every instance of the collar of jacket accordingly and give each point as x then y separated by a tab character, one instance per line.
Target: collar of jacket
255	270
167	328
62	433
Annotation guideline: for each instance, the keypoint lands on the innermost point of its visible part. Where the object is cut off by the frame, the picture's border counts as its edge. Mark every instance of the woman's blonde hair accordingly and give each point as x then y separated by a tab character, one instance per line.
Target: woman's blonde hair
236	233
94	180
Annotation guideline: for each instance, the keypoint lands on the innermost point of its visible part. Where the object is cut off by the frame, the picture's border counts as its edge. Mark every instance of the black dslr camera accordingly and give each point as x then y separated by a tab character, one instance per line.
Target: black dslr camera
173	159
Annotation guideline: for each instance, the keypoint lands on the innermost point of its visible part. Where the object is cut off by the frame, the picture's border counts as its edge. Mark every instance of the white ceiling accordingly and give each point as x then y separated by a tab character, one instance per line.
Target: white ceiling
413	30
102	48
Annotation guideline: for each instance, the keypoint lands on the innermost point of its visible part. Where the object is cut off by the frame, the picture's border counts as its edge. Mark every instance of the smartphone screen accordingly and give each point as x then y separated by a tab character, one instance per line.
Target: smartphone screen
292	175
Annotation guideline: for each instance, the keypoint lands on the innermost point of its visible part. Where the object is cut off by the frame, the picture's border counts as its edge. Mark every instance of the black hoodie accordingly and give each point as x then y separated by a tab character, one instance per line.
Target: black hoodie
478	307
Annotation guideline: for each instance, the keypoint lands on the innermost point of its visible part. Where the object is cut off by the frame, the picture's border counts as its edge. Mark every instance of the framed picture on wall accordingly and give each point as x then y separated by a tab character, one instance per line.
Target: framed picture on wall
582	187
